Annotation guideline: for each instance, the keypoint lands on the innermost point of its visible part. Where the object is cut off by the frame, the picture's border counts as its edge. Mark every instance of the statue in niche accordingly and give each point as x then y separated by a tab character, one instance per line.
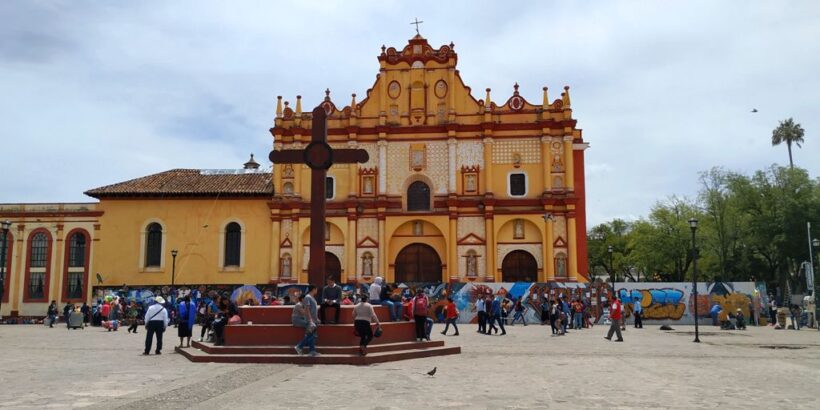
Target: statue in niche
287	188
367	185
557	163
516	157
518	229
286	266
472	264
561	265
418	229
367	264
469	183
287	171
417	159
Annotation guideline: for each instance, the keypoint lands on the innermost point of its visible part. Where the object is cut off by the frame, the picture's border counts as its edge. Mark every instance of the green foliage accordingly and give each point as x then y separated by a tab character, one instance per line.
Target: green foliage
749	228
790	133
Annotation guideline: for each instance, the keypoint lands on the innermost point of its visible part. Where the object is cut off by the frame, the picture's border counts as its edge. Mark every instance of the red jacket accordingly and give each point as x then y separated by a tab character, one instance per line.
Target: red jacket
615	310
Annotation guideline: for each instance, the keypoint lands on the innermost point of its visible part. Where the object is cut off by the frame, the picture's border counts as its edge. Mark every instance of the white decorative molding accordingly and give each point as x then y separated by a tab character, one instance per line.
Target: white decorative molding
470	154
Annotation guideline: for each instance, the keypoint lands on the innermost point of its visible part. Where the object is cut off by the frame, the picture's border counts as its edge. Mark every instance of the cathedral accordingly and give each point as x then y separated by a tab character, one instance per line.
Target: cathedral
456	189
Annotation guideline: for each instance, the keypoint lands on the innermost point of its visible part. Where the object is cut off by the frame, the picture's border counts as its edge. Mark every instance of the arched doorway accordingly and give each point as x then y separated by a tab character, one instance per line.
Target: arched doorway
418	263
333	267
519	266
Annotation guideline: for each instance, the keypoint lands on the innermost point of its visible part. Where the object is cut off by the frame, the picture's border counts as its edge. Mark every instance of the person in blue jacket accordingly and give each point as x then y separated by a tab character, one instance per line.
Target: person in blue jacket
496	313
186	312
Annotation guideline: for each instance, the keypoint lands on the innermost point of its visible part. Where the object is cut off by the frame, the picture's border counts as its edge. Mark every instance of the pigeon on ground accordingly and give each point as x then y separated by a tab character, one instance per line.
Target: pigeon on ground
432	372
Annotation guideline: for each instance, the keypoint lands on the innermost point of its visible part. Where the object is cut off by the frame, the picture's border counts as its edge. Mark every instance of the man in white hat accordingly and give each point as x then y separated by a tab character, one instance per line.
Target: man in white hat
156	320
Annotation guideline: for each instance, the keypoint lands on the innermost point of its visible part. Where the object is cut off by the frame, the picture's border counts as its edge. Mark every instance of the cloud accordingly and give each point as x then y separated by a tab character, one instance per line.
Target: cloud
95	93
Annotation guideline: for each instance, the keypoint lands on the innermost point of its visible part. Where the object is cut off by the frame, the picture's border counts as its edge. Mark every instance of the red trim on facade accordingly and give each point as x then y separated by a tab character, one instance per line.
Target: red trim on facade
26	273
86	263
63	214
9	257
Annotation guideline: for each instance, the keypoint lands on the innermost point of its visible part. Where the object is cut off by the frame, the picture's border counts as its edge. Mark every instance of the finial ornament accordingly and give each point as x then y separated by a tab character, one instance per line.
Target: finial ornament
327	94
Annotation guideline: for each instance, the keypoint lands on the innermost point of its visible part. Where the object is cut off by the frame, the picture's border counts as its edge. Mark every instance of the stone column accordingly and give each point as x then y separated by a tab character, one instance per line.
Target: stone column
451	157
382	167
350	250
353	180
490	246
17	267
275	236
569	175
452	248
572	248
488	165
549	253
57	261
546	163
382	251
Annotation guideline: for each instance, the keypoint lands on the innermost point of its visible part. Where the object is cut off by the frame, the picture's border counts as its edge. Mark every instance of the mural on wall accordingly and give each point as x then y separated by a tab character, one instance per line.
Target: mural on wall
660	301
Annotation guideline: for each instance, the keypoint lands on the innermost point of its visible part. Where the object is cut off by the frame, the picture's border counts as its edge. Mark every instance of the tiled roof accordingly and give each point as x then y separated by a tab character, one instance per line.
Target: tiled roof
190	182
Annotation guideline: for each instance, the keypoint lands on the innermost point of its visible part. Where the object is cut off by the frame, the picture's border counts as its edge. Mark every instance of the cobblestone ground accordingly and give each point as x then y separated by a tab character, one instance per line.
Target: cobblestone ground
528	368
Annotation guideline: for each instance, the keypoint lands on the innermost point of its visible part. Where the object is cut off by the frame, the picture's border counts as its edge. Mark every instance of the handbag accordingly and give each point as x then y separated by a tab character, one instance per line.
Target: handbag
378	332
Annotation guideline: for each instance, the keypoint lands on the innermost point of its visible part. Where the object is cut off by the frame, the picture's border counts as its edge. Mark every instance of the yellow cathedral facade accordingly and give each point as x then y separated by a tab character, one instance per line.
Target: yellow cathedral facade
455	189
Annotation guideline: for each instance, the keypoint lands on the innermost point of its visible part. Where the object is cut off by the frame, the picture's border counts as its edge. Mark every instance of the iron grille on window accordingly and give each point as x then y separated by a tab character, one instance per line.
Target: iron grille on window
418	197
518	184
75	285
233	244
36	285
76	251
39	250
153	246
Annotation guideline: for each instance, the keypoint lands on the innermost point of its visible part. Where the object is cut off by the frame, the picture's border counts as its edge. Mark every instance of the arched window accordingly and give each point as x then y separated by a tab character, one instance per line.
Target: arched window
153	245
418	197
76	251
39	250
233	244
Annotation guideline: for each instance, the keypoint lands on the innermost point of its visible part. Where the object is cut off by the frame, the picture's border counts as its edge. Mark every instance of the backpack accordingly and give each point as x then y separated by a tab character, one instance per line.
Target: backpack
420	306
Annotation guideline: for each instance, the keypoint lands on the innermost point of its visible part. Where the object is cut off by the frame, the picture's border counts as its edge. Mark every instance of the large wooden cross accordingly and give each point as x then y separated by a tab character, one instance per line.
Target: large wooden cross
319	156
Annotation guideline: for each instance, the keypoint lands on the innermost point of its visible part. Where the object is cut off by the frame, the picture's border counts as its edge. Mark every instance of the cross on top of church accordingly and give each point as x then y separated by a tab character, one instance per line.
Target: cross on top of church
417	22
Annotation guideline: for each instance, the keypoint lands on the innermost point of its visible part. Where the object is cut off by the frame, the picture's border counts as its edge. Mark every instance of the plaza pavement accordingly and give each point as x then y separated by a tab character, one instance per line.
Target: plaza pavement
761	367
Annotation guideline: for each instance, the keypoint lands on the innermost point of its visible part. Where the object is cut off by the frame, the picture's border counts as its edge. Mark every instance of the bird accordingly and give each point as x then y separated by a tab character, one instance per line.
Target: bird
99	279
754	109
432	372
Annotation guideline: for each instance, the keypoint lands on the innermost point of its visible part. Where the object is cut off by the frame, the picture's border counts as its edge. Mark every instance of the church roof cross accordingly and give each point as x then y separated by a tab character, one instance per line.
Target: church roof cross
417	22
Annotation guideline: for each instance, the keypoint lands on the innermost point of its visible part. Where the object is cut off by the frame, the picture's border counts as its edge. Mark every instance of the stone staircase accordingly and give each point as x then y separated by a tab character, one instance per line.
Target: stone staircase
266	336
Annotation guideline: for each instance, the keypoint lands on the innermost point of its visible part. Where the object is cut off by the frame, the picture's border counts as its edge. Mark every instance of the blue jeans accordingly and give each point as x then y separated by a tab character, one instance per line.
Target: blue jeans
391	307
579	320
308	341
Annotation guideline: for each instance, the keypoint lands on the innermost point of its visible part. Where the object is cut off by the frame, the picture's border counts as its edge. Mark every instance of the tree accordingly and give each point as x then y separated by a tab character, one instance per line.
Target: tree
790	133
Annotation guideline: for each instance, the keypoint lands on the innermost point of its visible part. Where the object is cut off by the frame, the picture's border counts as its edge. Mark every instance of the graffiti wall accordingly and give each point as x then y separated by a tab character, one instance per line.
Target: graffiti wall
675	302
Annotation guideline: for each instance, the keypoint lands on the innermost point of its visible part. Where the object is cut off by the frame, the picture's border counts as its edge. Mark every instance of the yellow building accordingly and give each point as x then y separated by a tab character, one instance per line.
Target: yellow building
456	189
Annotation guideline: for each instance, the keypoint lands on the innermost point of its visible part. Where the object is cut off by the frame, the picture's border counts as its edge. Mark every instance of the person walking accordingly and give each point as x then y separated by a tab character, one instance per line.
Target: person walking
554	317
519	309
51	313
131	317
301	317
187	318
615	319
156	321
86	310
450	316
482	315
420	303
637	310
566	313
578	314
772	310
363	315
67	309
498	314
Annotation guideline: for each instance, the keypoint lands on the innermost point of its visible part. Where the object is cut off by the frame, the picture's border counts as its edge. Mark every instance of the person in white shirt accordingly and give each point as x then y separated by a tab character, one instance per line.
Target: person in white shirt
156	320
482	314
375	291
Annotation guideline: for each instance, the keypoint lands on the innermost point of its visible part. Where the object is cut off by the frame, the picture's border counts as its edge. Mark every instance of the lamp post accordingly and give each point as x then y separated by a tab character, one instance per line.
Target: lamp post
611	271
6	225
816	244
174	253
693	224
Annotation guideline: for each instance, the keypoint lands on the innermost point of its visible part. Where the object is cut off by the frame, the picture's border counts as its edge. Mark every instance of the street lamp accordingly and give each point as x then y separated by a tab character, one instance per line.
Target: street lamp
693	224
816	244
174	253
611	271
6	225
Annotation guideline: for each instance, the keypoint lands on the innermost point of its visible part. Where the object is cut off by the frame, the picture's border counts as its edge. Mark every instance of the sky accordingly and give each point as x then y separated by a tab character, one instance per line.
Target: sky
93	93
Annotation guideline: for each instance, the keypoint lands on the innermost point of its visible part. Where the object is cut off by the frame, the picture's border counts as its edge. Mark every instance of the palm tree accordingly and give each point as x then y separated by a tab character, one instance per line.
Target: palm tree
790	133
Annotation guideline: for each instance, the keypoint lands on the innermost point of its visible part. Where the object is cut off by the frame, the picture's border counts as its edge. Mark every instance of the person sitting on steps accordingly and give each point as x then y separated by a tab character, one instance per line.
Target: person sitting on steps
331	295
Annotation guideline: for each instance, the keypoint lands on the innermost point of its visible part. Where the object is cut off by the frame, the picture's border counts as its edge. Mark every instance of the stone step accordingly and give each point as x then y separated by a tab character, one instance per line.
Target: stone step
260	315
329	335
199	356
288	349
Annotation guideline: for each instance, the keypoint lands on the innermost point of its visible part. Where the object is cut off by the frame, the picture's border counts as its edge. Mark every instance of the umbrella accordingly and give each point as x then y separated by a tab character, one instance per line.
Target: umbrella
244	293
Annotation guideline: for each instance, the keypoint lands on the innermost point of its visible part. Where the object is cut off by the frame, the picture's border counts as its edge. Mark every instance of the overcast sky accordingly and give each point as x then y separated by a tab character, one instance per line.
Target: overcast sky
93	93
